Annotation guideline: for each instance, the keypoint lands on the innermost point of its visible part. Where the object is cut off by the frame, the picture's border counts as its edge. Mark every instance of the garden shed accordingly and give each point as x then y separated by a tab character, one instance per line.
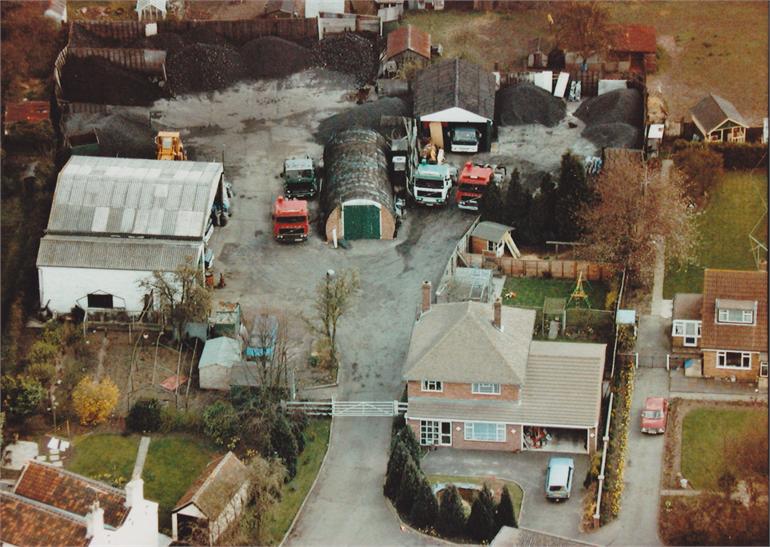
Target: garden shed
408	45
357	197
455	94
493	238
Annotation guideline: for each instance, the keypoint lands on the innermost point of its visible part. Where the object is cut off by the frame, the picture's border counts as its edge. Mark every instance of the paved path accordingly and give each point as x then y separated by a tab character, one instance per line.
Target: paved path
141	456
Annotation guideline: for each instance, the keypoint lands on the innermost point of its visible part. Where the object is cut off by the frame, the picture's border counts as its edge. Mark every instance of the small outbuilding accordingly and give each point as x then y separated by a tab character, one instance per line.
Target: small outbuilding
465	284
492	238
219	357
408	45
455	94
717	120
357	198
213	503
634	48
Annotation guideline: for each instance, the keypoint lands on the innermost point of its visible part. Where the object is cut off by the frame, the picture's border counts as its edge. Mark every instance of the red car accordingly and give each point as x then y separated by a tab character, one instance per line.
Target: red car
654	415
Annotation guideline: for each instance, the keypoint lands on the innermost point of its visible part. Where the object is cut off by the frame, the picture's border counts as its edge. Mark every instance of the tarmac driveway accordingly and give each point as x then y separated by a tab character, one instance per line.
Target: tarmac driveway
528	470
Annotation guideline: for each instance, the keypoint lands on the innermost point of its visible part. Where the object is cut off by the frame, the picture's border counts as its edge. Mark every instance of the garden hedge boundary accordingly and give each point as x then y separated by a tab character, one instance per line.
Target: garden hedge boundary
736	155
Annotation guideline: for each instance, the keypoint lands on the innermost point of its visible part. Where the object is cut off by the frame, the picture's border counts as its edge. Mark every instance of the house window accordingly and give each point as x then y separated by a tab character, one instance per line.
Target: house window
433	432
734	359
478	431
432	385
491	246
690	330
763	369
485	389
727	315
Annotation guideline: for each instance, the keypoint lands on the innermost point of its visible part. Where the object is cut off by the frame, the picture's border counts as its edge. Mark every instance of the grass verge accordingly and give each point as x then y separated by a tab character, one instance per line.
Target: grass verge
495	484
294	492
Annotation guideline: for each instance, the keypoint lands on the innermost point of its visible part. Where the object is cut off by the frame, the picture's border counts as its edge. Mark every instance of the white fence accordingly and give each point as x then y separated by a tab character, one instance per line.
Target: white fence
346	408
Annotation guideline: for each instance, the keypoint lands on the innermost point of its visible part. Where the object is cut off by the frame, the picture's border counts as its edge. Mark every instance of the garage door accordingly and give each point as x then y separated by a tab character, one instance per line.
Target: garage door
362	222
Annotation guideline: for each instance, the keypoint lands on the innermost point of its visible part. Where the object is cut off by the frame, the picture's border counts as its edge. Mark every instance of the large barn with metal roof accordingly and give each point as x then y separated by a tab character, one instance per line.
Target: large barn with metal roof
116	220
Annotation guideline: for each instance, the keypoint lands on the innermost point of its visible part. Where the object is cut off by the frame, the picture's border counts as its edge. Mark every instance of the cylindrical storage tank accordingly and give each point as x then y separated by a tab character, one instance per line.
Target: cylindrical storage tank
357	197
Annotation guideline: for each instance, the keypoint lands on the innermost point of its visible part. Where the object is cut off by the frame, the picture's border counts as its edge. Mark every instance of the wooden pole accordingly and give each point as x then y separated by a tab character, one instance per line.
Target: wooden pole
189	375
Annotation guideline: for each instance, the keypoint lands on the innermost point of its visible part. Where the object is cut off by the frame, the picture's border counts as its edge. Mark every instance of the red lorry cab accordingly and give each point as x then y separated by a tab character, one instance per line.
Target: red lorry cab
290	221
472	184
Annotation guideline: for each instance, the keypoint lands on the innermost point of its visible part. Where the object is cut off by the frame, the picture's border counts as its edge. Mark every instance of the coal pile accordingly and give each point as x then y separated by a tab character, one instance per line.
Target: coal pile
168	41
349	53
204	67
365	116
614	119
97	80
273	57
526	103
126	136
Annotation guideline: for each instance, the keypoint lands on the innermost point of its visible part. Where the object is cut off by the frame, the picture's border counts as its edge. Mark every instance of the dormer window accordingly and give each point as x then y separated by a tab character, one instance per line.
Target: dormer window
736	312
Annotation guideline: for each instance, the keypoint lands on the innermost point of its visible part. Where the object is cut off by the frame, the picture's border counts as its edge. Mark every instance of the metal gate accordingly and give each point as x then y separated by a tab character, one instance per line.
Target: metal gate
346	408
361	221
653	360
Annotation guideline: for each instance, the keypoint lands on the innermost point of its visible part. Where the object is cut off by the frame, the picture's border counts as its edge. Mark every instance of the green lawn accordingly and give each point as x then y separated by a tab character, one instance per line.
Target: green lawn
317	440
733	209
706	432
173	463
530	292
496	484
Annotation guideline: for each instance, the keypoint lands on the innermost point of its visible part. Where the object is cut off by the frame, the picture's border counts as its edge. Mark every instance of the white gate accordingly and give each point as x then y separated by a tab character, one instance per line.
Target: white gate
346	408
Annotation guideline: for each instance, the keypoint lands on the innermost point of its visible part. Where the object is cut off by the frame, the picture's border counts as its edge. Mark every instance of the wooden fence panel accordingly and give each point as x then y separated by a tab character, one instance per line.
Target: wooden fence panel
558	269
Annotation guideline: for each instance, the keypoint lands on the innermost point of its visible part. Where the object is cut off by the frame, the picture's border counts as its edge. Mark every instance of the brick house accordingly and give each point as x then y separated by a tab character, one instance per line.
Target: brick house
477	380
729	328
51	506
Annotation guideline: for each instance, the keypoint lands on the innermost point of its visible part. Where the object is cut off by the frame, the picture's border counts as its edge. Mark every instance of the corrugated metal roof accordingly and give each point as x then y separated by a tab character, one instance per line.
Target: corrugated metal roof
455	83
115	253
134	197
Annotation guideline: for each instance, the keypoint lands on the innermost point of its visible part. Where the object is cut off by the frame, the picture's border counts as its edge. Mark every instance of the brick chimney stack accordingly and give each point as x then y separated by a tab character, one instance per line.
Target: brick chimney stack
426	296
497	321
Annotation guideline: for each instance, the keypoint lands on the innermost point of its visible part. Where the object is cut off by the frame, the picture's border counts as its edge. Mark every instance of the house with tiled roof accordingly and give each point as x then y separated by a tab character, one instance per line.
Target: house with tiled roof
213	502
726	326
717	120
408	44
476	380
51	506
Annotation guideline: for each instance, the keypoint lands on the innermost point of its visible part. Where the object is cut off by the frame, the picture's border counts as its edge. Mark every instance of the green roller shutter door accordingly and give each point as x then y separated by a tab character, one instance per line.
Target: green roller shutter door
362	222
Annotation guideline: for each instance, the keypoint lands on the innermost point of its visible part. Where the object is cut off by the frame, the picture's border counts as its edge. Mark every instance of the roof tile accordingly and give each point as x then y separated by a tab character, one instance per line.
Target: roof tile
32	525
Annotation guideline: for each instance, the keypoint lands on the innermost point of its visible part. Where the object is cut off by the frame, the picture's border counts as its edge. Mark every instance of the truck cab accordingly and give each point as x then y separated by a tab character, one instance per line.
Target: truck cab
432	183
290	220
299	178
472	184
464	139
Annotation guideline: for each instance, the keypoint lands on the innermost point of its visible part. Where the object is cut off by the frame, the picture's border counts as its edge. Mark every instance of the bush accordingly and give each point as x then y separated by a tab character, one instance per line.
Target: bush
220	424
616	451
285	444
425	508
701	167
407	488
298	421
144	416
173	420
43	372
481	522
406	435
94	401
734	155
396	463
22	395
505	515
451	520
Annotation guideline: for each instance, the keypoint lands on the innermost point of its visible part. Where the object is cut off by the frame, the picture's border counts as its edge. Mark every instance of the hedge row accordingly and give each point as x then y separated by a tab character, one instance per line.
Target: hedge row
735	155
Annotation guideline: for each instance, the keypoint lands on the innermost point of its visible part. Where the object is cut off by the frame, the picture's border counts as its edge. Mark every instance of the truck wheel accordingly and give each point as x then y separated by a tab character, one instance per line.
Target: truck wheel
223	220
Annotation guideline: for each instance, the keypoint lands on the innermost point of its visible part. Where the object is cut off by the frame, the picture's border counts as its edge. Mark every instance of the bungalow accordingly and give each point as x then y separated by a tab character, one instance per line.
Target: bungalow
726	326
717	120
213	503
477	380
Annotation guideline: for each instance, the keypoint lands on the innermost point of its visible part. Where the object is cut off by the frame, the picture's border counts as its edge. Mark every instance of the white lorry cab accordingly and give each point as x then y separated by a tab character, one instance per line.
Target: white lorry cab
464	139
432	183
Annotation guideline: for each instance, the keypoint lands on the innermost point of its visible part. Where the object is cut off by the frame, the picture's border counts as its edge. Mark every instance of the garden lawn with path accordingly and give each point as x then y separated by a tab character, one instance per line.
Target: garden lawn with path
734	208
496	485
706	433
173	463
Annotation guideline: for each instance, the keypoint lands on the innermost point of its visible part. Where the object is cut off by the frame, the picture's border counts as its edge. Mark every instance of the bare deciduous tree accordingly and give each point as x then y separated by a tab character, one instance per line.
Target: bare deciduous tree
270	337
583	27
334	296
638	208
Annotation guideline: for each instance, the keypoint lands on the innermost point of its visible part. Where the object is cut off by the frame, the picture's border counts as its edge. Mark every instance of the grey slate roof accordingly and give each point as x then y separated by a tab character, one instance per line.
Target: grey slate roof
216	486
562	388
134	196
490	231
455	83
115	253
712	111
687	306
457	342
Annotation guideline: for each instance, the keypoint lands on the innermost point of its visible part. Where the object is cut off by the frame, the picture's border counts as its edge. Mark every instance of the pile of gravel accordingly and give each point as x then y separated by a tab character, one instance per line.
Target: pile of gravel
126	134
365	116
97	80
613	119
204	67
526	103
273	57
349	53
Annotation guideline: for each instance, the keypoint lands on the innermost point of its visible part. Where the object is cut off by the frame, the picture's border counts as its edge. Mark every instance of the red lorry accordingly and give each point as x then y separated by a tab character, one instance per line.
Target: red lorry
473	182
290	219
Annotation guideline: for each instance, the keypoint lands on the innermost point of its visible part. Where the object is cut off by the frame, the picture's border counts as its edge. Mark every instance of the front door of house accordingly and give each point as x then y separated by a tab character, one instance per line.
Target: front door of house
446	434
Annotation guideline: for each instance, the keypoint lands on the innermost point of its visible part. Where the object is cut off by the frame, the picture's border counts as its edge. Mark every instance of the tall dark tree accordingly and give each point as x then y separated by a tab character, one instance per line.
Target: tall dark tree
396	463
481	522
285	444
491	206
407	488
572	194
406	436
425	508
505	515
517	205
451	514
542	211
